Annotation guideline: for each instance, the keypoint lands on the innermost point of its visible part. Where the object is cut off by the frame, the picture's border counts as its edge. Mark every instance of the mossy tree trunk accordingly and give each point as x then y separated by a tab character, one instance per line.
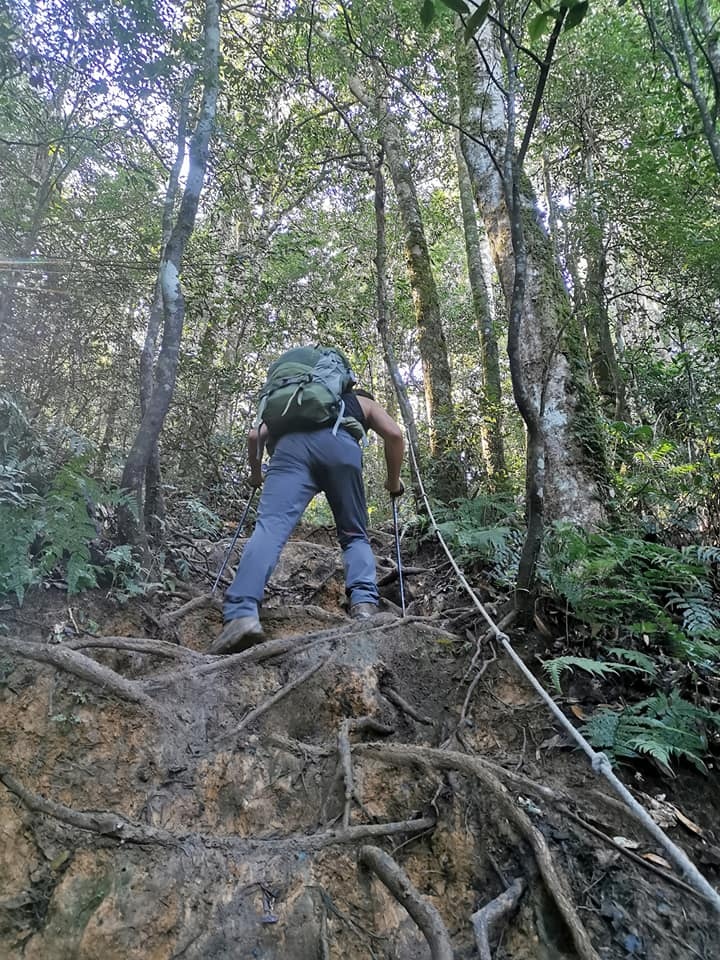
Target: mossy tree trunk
447	478
173	301
491	413
565	456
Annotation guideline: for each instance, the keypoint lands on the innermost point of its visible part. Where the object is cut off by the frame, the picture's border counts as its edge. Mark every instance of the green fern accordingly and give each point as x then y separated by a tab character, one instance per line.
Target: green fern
485	530
661	727
641	588
598	668
641	660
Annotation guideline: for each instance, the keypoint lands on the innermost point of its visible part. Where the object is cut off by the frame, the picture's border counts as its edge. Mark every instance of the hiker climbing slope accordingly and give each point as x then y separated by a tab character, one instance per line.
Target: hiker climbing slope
310	420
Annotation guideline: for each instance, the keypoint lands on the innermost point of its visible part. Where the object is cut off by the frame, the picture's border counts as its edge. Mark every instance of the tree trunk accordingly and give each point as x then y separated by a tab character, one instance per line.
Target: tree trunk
383	304
447	480
565	454
603	359
491	412
158	403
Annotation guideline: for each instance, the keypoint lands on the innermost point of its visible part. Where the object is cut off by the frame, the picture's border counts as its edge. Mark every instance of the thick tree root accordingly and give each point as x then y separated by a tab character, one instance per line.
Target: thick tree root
451	760
116	826
486	919
425	915
197	603
106	823
153	648
72	661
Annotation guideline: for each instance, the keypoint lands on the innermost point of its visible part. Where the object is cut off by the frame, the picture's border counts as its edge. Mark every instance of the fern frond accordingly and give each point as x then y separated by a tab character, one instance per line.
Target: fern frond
641	660
558	665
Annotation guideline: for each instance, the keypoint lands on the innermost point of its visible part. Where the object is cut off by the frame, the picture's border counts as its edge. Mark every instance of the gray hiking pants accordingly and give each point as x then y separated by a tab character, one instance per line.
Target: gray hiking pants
302	465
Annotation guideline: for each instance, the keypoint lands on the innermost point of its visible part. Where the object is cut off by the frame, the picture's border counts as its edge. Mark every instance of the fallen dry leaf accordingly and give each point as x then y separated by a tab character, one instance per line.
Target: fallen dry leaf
658	861
626	844
687	822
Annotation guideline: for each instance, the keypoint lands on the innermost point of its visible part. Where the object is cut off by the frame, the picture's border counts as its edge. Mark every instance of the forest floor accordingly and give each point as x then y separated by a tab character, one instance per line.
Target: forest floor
291	801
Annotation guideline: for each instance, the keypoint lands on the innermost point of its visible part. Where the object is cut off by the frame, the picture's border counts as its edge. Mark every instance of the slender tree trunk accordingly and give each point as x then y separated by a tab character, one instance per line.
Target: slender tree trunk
447	476
565	454
593	299
684	43
491	412
154	504
159	401
384	308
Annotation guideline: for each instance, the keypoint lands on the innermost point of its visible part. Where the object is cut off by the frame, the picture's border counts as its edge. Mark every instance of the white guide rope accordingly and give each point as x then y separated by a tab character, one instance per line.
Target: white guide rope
599	761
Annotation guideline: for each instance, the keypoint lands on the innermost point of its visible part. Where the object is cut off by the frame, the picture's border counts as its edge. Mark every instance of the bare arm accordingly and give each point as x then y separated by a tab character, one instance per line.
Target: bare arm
383	424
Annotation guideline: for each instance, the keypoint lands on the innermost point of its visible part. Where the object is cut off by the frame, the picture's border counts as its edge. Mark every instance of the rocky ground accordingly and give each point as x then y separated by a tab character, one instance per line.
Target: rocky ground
343	790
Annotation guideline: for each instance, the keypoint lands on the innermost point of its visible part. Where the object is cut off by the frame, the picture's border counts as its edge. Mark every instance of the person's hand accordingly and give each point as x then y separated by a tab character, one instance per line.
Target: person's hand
256	480
395	490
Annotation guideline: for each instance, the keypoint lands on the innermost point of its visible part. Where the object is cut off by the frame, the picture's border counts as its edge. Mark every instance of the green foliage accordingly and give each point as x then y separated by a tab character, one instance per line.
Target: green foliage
485	530
661	727
46	510
656	596
640	589
557	666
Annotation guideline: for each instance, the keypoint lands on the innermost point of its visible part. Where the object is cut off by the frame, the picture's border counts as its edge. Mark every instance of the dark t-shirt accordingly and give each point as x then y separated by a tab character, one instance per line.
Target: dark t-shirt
353	409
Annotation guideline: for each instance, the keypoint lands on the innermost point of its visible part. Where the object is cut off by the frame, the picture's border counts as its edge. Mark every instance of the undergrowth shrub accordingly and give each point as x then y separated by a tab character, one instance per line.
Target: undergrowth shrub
485	531
47	506
661	599
647	614
638	589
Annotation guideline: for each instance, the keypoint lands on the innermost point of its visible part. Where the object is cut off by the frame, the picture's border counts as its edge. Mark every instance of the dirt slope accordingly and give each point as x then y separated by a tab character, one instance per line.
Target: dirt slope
159	803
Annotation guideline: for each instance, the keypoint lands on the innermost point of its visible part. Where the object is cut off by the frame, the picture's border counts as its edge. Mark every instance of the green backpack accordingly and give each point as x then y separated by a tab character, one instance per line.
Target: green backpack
303	391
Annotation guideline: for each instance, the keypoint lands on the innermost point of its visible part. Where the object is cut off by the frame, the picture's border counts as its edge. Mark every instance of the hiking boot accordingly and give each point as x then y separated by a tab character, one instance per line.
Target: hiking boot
238	635
363	611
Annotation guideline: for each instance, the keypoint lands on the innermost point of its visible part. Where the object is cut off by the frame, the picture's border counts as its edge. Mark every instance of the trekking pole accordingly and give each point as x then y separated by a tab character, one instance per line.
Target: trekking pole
235	538
397	551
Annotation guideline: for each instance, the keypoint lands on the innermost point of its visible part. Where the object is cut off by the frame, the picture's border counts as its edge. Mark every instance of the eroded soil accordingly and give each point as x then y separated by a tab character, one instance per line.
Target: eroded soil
214	823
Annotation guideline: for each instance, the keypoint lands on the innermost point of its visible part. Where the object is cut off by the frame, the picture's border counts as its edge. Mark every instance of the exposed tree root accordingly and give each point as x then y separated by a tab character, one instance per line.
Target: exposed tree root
425	915
452	760
107	824
392	574
118	827
155	648
307	611
281	693
359	725
197	603
486	919
560	801
391	694
72	661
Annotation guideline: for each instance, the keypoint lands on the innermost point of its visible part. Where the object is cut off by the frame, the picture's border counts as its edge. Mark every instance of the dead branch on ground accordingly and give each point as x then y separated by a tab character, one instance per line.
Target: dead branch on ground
280	695
424	913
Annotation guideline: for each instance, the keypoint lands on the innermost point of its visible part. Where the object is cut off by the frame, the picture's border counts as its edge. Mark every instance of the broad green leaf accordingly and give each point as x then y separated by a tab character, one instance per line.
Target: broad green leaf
458	6
477	20
427	13
540	24
576	15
